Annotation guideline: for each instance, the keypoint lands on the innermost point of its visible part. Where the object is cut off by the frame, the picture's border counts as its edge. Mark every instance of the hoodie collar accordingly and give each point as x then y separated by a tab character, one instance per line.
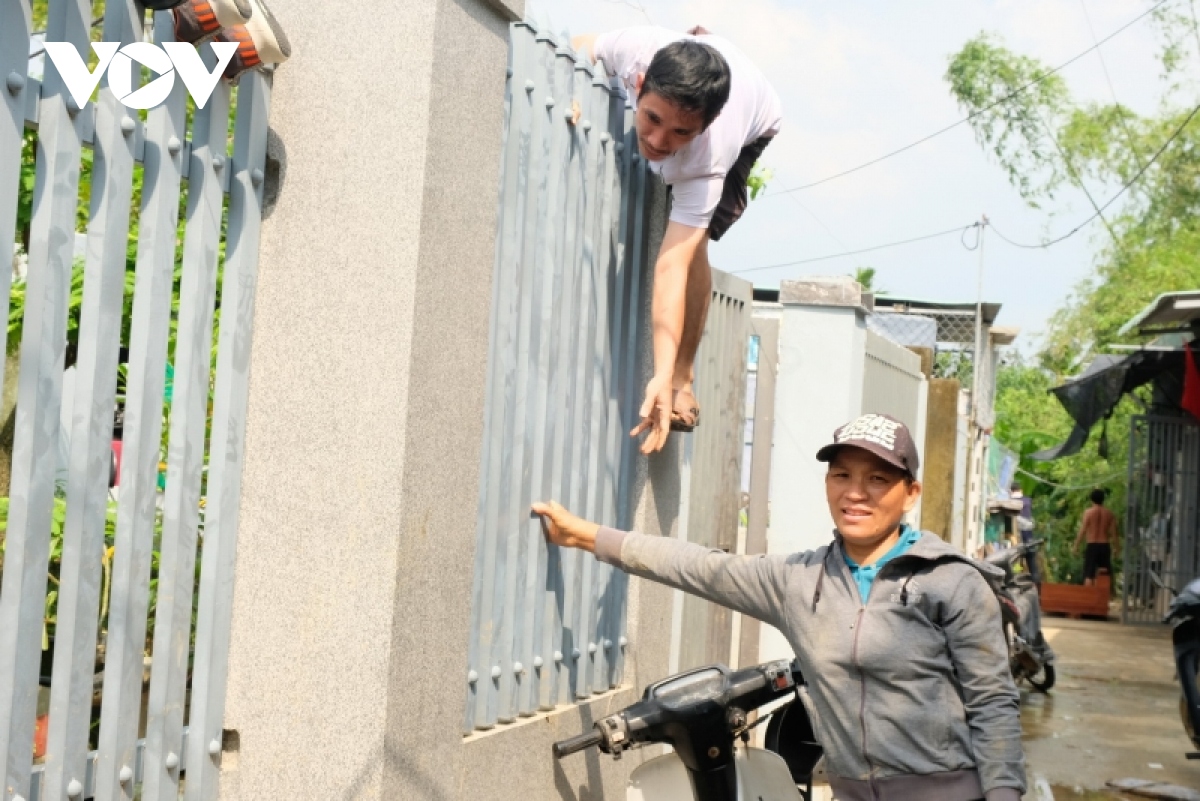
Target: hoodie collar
930	548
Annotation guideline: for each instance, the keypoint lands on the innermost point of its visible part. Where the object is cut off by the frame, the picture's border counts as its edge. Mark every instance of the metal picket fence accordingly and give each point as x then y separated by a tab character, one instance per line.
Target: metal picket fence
547	625
712	472
892	382
149	733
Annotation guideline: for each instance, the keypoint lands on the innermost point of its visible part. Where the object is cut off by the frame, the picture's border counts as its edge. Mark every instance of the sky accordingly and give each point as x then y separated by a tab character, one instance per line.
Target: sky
860	79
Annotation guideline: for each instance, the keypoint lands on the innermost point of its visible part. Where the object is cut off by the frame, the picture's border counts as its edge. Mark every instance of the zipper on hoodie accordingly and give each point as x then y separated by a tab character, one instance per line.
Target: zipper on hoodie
862	681
862	700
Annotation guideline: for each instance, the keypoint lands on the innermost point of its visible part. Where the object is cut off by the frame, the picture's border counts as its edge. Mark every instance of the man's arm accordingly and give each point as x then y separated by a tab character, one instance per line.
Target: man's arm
752	585
1083	525
679	247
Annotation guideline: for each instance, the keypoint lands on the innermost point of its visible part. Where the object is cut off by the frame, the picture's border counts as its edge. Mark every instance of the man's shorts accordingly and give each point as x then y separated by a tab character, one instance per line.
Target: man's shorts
1097	555
734	196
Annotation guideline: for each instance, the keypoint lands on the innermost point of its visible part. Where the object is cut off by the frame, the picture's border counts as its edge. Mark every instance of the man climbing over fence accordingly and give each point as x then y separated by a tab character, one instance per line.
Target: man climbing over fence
703	115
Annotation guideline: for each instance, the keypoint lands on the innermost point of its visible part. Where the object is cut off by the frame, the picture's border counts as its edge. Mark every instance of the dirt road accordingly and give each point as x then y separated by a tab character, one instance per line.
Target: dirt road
1113	714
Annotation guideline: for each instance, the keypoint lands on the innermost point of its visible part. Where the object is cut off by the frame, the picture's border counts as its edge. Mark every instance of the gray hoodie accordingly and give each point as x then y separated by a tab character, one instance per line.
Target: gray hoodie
910	692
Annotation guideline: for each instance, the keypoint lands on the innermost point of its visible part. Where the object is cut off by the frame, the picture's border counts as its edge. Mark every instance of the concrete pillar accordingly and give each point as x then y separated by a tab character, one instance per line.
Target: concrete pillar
819	385
939	454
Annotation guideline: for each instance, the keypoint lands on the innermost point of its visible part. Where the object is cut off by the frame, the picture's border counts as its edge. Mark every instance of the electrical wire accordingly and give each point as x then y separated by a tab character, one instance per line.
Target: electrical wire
1098	482
1099	211
635	6
820	222
1078	179
975	114
1112	90
948	232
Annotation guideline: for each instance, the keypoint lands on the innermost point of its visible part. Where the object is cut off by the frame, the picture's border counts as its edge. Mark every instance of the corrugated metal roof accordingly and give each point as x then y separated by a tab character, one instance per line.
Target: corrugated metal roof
894	303
1170	311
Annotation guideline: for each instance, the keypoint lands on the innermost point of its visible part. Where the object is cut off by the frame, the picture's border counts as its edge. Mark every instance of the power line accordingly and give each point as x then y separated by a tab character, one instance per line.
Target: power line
636	6
963	229
819	221
959	230
1098	482
1111	88
1112	199
975	114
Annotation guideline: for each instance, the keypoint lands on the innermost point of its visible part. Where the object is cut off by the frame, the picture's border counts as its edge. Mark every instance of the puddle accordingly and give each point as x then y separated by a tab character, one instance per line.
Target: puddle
1078	794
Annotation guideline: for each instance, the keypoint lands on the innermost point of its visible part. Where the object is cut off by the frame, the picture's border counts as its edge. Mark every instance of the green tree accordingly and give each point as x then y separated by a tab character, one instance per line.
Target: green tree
1045	140
865	276
1030	419
1147	242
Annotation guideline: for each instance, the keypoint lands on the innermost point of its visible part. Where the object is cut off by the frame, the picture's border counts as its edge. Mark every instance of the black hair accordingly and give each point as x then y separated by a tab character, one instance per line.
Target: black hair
1098	496
692	75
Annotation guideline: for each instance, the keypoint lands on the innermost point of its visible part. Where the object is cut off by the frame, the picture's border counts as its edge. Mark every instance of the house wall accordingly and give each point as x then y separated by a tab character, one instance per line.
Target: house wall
939	453
819	386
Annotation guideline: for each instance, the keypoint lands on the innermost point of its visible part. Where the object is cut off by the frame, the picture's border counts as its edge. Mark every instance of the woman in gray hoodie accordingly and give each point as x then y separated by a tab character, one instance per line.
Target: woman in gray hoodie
897	633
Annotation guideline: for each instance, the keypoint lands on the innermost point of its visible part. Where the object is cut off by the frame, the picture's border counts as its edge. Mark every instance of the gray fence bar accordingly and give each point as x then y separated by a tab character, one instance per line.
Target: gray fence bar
560	362
228	438
39	395
119	140
117	131
16	95
713	460
185	454
762	439
124	665
90	783
1162	519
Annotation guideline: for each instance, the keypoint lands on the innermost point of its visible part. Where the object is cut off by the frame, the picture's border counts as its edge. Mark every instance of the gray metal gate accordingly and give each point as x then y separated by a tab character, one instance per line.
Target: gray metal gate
1162	519
713	465
562	392
103	589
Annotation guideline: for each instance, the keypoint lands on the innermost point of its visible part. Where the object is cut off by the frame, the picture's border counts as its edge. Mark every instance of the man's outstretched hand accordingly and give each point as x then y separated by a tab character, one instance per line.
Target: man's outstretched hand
655	414
565	529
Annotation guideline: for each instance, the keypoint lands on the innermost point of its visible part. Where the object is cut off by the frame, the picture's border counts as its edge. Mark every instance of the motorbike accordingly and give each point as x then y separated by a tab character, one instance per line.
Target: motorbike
1029	655
704	715
1184	615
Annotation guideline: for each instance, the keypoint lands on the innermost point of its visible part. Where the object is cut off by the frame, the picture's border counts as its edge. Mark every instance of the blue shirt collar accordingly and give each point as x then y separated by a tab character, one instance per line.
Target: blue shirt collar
908	538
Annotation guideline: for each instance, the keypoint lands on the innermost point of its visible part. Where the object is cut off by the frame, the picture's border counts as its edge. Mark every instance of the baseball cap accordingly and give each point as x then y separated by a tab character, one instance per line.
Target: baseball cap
880	434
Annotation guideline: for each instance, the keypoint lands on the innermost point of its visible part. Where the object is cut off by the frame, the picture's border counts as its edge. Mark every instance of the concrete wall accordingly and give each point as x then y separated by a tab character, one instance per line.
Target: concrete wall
357	539
939	455
822	342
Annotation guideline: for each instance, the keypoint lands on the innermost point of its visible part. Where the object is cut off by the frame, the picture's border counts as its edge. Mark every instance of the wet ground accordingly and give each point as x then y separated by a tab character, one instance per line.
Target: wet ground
1113	714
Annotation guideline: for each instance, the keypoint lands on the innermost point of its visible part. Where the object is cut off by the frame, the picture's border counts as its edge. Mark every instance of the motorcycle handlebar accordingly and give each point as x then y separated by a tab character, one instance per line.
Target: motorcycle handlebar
578	743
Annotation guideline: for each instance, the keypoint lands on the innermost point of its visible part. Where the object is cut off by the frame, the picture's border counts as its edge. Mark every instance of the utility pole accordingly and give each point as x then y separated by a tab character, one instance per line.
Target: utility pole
977	464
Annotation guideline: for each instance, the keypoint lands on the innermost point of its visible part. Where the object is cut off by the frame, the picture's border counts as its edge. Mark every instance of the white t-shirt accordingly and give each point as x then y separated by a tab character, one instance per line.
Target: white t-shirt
696	172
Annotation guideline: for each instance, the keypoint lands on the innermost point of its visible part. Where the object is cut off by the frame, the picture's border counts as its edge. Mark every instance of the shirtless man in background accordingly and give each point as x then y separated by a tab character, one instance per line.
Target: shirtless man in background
1099	528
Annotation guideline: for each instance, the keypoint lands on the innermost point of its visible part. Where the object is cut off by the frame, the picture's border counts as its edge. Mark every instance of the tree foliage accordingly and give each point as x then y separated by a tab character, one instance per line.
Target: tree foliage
1045	140
1148	242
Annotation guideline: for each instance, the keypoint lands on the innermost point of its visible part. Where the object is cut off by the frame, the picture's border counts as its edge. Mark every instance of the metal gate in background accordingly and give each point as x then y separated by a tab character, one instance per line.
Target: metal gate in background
1162	520
118	563
892	381
547	625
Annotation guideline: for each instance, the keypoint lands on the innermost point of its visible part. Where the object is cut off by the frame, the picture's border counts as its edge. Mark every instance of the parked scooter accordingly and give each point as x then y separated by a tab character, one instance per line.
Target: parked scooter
702	714
1184	615
1029	655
